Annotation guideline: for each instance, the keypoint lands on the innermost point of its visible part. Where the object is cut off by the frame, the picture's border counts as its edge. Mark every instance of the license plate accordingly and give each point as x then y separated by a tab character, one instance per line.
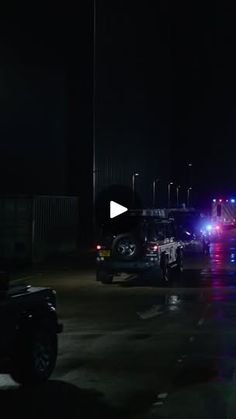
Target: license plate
105	253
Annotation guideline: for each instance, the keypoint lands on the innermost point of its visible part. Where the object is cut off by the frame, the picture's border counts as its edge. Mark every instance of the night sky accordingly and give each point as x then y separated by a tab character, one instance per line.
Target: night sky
165	72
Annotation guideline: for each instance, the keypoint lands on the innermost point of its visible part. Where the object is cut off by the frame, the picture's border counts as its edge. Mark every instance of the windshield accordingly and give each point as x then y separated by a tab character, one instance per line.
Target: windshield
188	221
123	224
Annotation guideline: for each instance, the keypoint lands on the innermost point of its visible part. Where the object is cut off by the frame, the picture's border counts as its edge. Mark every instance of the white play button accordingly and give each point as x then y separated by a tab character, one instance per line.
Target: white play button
116	209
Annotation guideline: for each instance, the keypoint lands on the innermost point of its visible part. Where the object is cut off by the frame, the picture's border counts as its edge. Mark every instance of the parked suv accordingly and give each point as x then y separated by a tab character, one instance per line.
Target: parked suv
139	241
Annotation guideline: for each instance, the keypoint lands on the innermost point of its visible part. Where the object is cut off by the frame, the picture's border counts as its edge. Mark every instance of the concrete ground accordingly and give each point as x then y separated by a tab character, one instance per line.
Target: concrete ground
137	349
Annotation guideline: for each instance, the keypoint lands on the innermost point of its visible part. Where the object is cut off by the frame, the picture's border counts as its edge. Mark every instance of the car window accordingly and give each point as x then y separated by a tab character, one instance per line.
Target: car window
156	231
122	224
170	230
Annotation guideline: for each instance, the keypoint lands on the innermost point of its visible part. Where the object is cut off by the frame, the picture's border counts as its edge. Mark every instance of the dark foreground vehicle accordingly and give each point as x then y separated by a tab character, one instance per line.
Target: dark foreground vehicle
29	328
139	242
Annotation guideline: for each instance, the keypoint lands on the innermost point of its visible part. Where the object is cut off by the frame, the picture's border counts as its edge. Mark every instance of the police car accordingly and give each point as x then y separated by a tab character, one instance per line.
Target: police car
139	241
192	229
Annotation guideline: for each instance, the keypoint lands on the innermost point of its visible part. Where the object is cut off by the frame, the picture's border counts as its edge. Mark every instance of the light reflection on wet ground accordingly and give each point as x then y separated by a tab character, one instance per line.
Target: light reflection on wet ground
201	306
221	272
210	364
206	280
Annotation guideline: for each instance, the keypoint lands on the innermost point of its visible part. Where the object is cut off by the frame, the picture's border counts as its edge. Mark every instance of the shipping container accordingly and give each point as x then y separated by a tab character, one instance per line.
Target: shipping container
33	228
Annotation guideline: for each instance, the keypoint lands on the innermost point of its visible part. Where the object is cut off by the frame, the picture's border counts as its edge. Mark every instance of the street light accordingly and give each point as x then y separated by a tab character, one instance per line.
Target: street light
134	175
155	181
189	172
169	185
94	117
177	196
188	196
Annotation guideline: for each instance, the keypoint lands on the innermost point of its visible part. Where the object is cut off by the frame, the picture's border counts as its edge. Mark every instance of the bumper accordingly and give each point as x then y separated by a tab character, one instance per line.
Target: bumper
127	266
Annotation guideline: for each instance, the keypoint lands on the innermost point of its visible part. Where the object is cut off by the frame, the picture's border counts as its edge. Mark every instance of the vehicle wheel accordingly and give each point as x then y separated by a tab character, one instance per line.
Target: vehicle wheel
104	277
165	269
35	357
126	247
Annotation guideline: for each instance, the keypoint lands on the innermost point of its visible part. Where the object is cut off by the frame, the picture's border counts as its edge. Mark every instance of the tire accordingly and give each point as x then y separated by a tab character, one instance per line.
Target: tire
165	269
35	357
104	277
126	247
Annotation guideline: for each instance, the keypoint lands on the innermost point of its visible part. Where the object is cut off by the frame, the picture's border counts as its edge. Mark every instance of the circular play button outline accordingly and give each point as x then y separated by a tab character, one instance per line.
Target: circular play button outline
116	209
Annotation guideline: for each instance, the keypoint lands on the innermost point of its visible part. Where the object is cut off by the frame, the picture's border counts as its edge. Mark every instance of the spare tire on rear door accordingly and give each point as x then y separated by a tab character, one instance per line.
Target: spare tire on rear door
126	247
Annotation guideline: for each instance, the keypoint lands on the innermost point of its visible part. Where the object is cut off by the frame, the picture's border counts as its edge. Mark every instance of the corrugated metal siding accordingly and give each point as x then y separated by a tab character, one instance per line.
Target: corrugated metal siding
55	225
133	103
15	228
33	228
115	166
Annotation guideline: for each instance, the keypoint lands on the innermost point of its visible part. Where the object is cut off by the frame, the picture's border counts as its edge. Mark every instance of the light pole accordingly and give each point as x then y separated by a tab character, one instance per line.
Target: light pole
188	196
94	117
169	185
134	175
189	172
177	196
154	184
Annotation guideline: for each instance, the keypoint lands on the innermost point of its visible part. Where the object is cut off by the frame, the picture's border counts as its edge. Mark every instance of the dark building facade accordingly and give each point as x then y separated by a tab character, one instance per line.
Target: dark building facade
32	103
48	103
133	98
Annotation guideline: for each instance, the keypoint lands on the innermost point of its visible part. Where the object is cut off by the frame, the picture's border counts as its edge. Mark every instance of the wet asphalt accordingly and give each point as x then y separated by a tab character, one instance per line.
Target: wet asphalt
138	349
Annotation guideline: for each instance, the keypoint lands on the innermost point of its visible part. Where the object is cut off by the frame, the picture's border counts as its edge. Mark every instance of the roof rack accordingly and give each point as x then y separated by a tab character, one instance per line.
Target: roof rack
181	210
151	212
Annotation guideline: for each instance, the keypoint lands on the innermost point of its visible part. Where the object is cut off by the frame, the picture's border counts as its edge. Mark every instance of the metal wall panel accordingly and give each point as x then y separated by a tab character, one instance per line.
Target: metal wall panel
54	226
15	228
33	228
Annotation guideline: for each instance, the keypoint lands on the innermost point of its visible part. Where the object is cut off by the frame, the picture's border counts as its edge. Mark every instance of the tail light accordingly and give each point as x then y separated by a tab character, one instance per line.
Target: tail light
98	247
153	247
